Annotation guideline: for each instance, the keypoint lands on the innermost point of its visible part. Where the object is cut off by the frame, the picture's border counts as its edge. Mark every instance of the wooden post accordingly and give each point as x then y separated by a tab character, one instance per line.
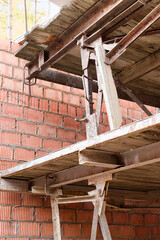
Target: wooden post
55	218
104	74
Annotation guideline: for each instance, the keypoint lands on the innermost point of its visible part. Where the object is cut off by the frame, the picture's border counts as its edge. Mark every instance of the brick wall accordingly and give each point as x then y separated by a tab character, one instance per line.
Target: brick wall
32	128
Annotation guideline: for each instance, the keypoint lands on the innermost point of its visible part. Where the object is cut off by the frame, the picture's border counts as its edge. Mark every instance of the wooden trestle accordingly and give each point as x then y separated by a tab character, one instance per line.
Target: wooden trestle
124	162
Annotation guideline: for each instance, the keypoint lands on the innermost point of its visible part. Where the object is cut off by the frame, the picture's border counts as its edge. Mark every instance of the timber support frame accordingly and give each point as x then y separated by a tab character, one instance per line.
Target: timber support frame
97	197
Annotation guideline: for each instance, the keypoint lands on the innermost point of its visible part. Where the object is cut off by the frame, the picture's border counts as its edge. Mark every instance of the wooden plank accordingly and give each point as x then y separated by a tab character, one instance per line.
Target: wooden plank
98	159
108	88
12	185
140	68
95	220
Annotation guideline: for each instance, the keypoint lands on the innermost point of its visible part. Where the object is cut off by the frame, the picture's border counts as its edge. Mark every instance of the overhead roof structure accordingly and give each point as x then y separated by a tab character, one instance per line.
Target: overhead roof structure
112	48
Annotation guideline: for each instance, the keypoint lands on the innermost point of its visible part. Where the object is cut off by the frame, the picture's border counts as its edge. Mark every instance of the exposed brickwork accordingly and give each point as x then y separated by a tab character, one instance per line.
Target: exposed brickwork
33	127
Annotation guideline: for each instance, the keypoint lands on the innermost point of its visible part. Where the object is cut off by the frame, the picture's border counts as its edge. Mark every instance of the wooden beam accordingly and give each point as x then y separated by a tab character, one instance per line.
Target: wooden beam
104	72
140	68
12	185
98	158
133	35
76	82
71	175
118	21
95	16
141	154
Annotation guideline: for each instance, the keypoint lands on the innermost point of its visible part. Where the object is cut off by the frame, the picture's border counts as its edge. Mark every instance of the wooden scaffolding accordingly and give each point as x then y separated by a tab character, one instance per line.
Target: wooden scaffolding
114	46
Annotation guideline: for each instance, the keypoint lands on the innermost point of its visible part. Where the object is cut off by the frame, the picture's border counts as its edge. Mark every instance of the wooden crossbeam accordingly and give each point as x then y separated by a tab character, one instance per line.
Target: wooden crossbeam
76	82
12	185
98	158
133	35
140	68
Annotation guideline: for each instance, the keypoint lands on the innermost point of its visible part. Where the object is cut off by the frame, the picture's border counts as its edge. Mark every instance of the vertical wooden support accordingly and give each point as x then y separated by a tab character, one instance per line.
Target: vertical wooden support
103	224
104	72
95	220
55	218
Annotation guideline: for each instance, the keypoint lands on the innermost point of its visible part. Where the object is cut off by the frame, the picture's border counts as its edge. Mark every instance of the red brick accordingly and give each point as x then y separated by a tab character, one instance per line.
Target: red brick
120	218
41	153
26	127
29	229
133	114
36	90
5	70
81	136
53	94
7	123
33	103
52	145
125	103
8	58
5	213
24	154
18	74
126	231
44	83
53	119
12	84
31	141
71	123
62	87
105	119
32	200
67	215
10	198
151	219
71	99
136	219
43	214
63	108
113	230
12	110
15	46
86	230
78	91
43	104
47	229
5	45
66	135
6	152
141	231
80	112
33	115
53	107
71	111
72	230
23	99
22	62
7	164
3	96
10	138
155	231
13	98
109	217
84	216
66	144
8	229
47	131
124	111
23	213
103	128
